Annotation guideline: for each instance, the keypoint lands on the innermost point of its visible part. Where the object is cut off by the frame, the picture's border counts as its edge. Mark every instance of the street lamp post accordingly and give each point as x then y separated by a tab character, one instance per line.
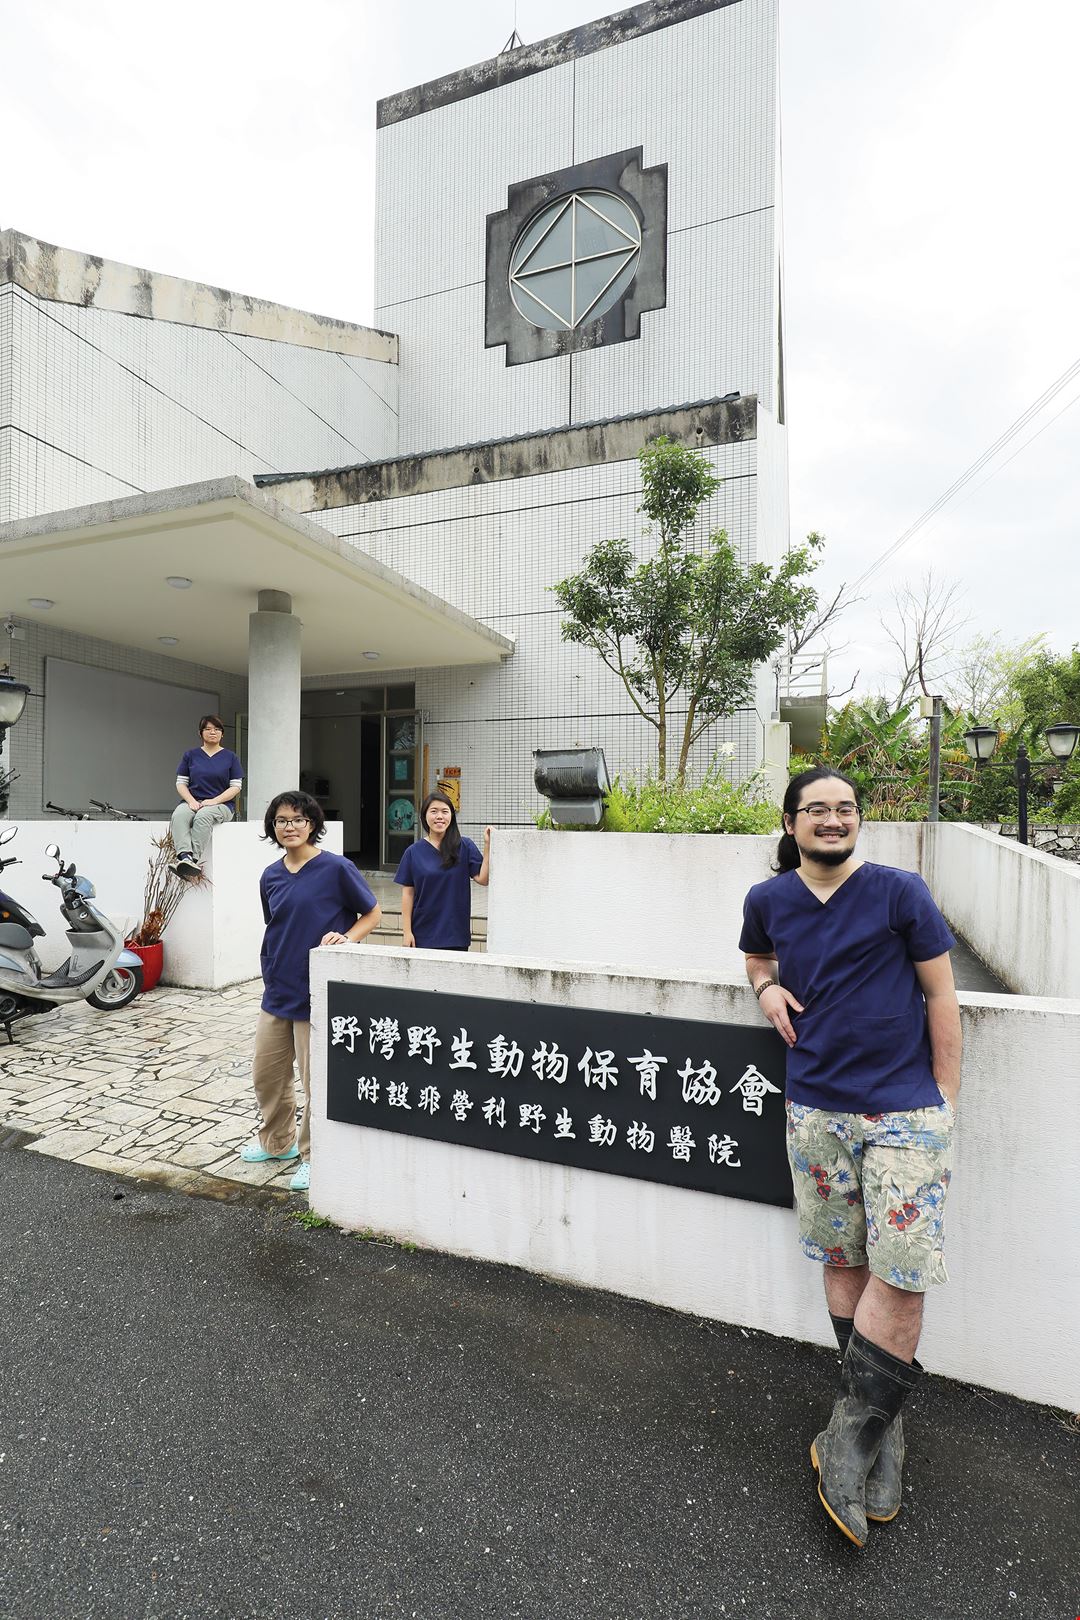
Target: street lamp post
981	743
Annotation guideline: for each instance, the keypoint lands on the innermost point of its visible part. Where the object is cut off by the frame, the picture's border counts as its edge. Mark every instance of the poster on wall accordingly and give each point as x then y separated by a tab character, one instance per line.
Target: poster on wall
680	1101
448	781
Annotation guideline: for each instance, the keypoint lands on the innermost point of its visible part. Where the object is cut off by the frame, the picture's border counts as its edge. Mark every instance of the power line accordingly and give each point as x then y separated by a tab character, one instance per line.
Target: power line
1066	407
976	467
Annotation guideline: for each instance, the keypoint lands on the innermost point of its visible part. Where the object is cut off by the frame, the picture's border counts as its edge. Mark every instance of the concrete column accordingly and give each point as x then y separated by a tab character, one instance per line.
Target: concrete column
776	758
273	762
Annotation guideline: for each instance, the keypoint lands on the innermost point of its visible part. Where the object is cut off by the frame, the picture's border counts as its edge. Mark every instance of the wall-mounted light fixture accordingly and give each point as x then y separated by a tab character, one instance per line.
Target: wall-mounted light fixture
574	782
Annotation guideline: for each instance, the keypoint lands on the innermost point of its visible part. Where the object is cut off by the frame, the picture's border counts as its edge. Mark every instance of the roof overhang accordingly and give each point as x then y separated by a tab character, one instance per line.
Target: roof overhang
105	567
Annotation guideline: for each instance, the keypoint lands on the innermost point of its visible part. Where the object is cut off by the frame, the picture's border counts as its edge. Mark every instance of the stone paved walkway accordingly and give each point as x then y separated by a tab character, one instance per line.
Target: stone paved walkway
160	1089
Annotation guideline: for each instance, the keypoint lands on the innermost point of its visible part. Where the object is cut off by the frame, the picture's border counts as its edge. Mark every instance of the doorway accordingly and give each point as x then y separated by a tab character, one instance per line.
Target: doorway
360	753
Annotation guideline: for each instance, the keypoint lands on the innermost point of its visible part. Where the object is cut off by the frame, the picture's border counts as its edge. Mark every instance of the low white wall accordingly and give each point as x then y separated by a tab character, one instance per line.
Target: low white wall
643	900
112	854
1019	909
1010	1319
213	940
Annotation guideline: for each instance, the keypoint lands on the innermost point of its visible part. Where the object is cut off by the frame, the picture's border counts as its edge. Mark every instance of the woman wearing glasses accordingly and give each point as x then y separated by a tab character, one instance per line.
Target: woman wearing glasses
310	897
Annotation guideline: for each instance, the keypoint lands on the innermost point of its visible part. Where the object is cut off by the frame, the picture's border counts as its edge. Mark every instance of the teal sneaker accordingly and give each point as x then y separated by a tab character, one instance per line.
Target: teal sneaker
255	1153
302	1179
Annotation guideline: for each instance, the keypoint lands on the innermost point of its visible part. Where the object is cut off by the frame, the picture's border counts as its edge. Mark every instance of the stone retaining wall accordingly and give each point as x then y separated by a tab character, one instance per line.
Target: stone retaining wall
1062	840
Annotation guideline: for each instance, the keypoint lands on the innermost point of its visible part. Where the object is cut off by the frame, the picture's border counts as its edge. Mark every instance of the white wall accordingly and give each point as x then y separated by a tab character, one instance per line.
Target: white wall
642	900
213	940
1010	1319
1019	909
494	550
172	404
699	96
39	642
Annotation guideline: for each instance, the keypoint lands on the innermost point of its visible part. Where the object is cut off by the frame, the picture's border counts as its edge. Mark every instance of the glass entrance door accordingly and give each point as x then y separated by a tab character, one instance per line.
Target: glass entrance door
402	745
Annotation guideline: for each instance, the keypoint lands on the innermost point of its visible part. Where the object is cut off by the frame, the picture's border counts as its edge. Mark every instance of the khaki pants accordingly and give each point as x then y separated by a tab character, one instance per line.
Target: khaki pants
191	829
278	1041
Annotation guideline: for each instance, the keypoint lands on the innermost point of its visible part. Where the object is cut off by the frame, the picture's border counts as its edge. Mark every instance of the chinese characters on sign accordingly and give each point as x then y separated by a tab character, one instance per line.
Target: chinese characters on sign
692	1104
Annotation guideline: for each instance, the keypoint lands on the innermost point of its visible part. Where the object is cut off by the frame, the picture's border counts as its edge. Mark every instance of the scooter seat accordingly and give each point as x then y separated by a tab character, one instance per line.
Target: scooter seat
60	980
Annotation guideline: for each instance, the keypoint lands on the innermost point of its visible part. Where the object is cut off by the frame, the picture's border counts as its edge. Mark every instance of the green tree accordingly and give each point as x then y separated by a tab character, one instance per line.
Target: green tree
1049	692
985	677
886	752
684	628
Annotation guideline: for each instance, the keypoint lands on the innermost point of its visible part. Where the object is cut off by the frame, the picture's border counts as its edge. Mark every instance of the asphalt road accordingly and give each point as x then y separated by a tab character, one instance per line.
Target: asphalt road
208	1412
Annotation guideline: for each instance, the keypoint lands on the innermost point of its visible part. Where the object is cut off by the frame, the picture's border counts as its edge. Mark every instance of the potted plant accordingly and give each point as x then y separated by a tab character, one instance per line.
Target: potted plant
162	894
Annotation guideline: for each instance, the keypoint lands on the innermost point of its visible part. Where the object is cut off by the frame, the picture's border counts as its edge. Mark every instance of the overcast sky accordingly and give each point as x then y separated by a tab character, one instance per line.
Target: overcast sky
932	238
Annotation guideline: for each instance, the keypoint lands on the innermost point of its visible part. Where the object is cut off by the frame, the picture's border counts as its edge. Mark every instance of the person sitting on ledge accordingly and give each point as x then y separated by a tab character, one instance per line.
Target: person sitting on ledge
208	778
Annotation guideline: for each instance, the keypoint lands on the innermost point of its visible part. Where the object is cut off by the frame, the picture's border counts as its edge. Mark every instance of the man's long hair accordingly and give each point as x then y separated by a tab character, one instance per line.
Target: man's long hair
787	851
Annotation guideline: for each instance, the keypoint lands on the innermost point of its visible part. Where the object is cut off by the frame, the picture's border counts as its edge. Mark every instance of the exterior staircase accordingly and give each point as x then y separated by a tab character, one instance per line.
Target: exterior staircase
389	897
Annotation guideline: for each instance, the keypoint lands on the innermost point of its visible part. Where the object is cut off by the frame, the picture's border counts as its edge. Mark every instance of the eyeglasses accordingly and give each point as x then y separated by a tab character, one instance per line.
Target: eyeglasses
820	812
298	821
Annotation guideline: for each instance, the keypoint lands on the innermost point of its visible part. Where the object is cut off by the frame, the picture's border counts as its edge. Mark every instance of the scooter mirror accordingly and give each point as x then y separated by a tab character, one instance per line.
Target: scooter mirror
71	869
9	832
53	851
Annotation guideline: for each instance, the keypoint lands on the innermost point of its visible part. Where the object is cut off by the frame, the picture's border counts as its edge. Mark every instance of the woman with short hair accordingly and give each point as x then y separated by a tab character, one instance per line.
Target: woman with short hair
309	897
208	779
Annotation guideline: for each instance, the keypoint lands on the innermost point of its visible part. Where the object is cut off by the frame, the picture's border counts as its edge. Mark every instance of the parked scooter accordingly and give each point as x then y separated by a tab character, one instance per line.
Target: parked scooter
99	969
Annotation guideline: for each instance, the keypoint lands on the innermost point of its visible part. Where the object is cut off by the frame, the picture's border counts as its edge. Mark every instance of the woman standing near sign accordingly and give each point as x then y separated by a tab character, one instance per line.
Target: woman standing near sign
310	897
434	875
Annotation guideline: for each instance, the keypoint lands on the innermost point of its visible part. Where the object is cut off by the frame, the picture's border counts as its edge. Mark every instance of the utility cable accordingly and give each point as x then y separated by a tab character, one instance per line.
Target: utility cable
976	467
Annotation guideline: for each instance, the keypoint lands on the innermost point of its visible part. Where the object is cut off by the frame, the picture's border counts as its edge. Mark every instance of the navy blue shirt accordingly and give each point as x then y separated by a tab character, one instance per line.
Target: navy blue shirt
442	898
208	775
861	1044
325	896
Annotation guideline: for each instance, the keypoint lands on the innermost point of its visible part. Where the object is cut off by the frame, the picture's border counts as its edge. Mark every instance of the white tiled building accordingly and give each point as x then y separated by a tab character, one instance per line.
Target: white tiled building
478	446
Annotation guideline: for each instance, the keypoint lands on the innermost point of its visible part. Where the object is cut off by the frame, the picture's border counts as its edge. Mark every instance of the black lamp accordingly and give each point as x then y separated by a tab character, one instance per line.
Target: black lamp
13	696
574	782
981	741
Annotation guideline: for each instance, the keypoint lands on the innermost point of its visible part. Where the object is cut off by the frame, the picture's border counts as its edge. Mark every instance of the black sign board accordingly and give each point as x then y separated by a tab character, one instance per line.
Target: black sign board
674	1100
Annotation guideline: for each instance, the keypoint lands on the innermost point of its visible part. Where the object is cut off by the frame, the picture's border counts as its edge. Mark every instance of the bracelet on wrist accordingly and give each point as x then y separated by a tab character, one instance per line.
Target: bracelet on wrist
766	984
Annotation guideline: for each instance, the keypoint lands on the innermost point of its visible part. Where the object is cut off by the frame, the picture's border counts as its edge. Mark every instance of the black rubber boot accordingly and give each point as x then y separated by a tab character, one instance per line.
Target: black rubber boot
873	1387
885	1481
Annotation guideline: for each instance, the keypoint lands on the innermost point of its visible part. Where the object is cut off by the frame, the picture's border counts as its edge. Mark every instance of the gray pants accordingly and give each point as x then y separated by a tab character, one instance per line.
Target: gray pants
191	829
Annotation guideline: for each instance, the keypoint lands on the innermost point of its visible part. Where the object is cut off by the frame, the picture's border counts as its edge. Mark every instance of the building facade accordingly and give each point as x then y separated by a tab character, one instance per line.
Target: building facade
578	246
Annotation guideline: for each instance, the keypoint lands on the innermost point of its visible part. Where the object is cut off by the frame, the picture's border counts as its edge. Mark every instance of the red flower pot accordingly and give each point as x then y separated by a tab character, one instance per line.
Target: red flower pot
151	958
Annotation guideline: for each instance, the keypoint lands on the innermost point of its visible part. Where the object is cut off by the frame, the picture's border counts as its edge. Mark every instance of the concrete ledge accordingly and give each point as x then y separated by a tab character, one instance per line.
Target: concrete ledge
1019	908
65	276
1016	1167
213	941
644	900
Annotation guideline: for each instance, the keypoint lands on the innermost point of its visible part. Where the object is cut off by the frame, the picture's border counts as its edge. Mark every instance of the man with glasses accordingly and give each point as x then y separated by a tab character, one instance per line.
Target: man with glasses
850	964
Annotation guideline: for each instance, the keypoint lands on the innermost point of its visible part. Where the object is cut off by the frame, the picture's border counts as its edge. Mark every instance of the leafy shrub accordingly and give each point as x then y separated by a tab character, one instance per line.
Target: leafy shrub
712	805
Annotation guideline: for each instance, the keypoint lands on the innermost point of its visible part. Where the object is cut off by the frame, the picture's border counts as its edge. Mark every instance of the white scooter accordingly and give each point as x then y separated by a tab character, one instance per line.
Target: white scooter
99	969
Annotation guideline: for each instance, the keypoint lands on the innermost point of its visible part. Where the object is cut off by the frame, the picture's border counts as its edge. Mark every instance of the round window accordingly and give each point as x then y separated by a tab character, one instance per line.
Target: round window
574	260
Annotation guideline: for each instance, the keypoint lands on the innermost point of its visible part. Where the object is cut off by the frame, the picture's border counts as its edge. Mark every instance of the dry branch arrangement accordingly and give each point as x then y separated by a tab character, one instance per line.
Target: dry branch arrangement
162	894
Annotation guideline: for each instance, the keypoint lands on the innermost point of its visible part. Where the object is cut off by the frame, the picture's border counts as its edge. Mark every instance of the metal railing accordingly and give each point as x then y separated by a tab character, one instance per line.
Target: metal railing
802	675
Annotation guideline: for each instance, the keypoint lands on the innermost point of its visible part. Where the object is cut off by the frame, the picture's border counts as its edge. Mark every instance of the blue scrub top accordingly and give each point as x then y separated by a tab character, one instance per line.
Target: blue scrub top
325	896
208	775
442	901
861	1043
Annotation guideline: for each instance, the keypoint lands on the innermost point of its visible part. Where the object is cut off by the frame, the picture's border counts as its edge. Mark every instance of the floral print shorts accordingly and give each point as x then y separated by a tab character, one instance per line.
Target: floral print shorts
870	1190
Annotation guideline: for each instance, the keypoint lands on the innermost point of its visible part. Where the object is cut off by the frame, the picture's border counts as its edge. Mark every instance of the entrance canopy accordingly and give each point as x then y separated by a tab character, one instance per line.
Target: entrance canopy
105	569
